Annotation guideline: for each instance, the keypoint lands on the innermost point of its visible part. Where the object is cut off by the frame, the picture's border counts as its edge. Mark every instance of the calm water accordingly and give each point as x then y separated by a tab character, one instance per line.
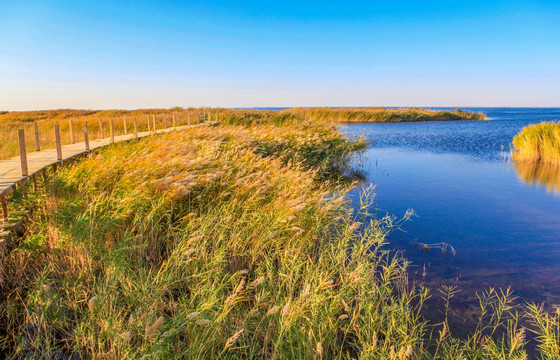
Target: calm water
502	218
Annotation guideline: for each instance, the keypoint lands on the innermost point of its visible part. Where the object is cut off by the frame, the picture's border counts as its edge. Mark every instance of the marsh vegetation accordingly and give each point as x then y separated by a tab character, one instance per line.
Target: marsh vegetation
539	142
232	241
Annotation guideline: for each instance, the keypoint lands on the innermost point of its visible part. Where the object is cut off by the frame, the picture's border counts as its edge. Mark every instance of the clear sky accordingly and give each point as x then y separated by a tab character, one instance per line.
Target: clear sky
138	54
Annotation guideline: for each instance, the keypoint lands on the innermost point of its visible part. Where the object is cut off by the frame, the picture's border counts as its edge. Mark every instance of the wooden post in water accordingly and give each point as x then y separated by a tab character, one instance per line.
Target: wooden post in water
101	128
135	128
72	138
86	137
124	122
22	153
4	205
58	144
36	128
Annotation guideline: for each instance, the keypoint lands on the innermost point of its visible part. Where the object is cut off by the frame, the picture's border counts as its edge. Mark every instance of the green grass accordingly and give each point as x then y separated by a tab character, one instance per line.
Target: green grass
234	241
539	142
350	115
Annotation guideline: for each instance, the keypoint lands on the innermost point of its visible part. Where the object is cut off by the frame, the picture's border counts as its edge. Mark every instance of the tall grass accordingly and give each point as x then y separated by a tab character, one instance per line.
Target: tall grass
349	115
540	142
234	241
12	121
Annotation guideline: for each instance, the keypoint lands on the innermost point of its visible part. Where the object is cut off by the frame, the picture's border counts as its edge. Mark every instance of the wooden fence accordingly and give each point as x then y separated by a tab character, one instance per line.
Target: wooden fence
9	175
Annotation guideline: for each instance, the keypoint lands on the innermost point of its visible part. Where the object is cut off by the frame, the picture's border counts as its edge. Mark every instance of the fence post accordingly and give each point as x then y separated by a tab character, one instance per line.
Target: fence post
86	137
22	153
58	144
112	130
101	128
73	139
154	124
124	122
4	205
135	128
149	126
36	127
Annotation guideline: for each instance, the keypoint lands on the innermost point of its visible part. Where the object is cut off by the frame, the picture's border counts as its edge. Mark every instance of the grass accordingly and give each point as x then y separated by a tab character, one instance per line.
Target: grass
234	241
10	122
539	142
351	115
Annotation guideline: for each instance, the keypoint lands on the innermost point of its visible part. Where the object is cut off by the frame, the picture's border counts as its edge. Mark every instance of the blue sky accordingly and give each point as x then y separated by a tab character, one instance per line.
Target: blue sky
137	54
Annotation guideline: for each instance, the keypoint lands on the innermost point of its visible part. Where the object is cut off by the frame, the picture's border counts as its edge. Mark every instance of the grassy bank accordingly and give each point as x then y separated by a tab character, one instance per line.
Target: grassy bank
12	121
347	115
98	125
232	241
539	142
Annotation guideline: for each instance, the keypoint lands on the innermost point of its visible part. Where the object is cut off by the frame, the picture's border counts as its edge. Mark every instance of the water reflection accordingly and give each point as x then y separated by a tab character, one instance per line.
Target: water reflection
538	173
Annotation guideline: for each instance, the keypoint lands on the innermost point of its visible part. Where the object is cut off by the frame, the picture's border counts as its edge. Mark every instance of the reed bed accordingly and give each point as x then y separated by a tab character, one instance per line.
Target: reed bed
10	122
538	142
380	114
97	120
234	241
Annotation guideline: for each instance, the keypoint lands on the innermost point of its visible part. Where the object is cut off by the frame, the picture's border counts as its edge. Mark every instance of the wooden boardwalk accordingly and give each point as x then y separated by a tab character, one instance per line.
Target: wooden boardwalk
10	170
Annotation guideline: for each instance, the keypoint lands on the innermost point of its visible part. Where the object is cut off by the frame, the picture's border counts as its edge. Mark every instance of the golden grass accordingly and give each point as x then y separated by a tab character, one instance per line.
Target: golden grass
233	241
12	121
538	142
46	120
379	114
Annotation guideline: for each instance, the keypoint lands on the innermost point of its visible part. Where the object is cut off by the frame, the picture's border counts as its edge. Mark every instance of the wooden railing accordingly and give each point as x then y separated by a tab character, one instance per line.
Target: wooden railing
7	167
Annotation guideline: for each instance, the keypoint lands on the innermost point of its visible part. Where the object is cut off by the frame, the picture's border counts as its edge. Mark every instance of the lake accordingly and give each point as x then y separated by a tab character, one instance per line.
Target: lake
501	218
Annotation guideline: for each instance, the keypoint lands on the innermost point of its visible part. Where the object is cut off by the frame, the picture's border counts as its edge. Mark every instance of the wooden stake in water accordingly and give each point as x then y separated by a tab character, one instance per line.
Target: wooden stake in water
22	153
112	128
36	128
135	128
86	136
72	138
101	128
124	123
58	144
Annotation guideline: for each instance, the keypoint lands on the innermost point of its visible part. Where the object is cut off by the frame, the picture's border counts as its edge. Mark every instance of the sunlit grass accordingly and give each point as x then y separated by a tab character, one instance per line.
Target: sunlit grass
12	121
350	115
46	120
232	241
539	142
